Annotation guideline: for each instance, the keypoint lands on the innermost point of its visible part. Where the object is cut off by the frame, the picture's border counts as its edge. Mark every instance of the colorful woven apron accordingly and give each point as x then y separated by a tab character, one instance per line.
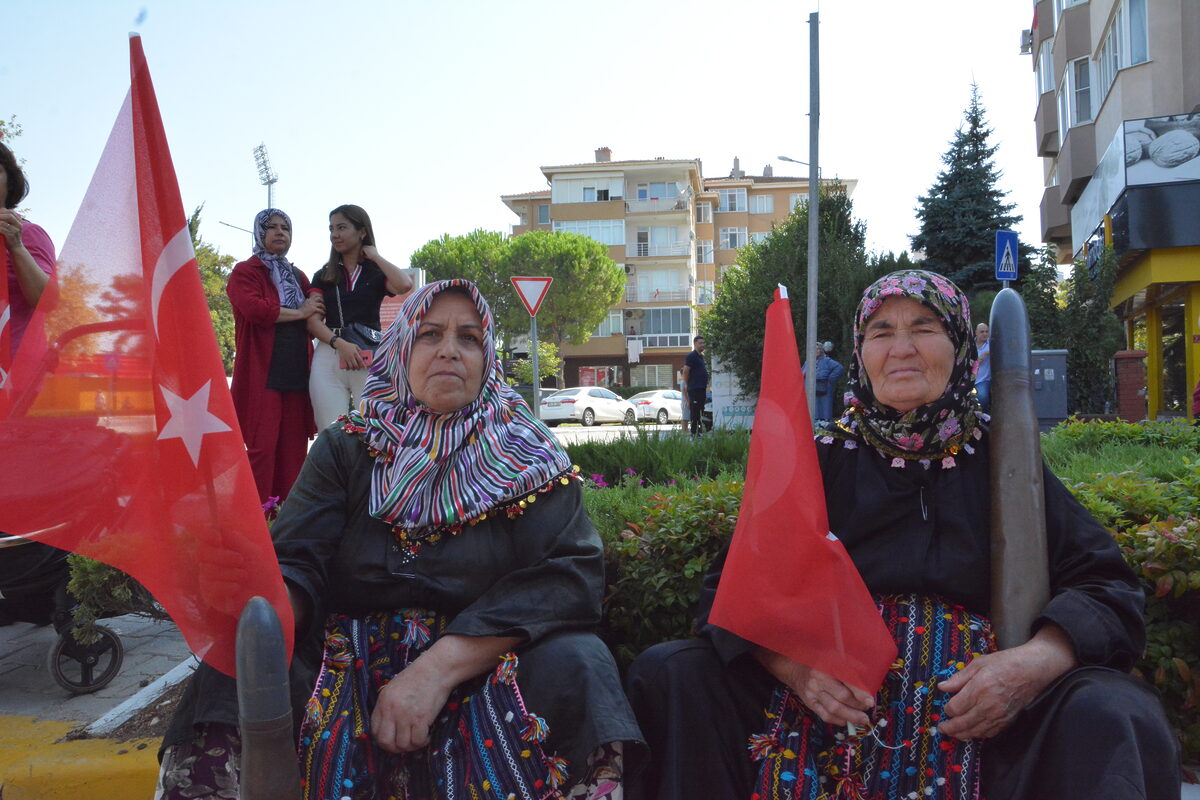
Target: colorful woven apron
903	756
485	745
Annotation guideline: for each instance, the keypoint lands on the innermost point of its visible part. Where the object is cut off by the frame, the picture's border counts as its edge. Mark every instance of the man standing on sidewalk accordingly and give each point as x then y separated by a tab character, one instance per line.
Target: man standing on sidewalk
983	378
695	376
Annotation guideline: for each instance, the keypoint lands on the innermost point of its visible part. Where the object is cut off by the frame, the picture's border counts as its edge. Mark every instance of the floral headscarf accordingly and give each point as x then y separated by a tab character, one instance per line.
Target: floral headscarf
283	274
434	471
932	432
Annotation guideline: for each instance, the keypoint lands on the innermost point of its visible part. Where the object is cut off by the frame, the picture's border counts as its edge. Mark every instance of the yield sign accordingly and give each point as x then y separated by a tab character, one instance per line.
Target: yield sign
532	291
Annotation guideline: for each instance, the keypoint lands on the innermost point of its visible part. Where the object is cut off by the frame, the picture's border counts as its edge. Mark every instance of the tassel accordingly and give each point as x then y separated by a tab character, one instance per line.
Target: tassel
761	745
337	652
506	672
535	729
312	712
416	632
557	771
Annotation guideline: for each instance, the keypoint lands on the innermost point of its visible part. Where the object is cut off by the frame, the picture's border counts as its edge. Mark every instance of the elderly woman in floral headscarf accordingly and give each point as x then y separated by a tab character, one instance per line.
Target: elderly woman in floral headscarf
907	479
437	550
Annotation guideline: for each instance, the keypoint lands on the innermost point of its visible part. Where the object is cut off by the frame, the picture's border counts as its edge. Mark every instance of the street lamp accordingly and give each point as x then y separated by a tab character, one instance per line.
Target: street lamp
802	163
266	176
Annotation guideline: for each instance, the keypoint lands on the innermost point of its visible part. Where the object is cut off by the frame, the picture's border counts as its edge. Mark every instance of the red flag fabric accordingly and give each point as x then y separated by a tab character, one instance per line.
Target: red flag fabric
788	584
5	321
121	418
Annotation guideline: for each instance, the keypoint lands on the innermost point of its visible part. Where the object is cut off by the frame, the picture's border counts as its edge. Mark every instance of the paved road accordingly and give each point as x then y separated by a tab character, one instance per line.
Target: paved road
574	434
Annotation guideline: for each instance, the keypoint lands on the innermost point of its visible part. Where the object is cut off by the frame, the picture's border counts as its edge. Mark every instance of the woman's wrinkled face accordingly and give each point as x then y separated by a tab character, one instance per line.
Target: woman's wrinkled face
907	354
343	235
277	238
445	369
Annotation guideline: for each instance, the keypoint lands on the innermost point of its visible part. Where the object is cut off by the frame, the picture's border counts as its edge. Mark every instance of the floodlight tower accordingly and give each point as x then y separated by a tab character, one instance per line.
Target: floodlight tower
266	175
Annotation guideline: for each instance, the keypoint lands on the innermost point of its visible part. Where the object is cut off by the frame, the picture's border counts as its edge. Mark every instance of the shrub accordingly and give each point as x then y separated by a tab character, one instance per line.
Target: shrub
661	562
660	456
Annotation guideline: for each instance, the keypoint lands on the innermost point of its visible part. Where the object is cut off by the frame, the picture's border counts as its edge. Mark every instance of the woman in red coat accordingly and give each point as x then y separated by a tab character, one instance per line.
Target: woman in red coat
270	367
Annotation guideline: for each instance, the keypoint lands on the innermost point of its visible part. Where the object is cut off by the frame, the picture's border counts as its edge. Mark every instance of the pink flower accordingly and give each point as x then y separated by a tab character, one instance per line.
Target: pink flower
911	442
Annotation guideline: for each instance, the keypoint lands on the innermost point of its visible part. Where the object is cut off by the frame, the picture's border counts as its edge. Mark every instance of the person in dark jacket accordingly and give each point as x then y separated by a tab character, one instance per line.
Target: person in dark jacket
907	486
446	582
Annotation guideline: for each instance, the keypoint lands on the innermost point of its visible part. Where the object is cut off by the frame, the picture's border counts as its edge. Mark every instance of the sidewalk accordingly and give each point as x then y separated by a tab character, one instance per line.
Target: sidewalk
36	713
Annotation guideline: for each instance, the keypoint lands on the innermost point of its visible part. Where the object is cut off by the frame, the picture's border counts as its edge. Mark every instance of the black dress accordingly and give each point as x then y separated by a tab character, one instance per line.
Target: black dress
1095	733
537	576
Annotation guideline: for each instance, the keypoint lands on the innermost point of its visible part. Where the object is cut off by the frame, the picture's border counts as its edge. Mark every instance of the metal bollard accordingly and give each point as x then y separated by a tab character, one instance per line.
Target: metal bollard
270	769
1020	562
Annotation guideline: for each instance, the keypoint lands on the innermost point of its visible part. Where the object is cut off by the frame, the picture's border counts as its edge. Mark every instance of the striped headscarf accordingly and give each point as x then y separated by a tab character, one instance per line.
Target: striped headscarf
932	432
282	272
438	470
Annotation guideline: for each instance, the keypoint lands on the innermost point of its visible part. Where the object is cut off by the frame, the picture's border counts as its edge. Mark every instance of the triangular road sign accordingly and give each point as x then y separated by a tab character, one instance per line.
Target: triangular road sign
532	291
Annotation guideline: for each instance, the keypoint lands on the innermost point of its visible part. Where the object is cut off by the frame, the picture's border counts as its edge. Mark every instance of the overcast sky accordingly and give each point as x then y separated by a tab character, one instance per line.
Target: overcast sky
424	113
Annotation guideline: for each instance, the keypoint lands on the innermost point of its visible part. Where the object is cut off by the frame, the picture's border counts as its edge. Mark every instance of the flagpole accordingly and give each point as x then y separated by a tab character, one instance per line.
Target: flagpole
814	182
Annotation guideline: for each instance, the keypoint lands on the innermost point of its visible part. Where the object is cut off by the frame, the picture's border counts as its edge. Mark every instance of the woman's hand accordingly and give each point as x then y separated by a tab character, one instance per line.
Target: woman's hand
990	690
313	304
349	353
398	281
10	229
407	708
833	701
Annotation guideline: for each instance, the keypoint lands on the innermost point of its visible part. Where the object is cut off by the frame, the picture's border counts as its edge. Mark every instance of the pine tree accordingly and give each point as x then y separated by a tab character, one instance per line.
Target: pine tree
964	208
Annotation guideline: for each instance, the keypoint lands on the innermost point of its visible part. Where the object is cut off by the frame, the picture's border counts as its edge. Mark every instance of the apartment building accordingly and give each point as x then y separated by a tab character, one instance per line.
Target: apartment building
673	231
1117	125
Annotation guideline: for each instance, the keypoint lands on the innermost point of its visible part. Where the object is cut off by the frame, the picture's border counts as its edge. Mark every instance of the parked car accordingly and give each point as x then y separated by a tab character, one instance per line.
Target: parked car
660	405
589	405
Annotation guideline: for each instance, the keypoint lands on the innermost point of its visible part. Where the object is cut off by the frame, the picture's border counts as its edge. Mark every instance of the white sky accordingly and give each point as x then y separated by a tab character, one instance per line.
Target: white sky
424	113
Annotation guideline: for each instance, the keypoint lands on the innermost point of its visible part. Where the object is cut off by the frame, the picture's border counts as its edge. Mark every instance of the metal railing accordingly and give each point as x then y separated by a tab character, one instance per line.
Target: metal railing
648	250
634	294
652	204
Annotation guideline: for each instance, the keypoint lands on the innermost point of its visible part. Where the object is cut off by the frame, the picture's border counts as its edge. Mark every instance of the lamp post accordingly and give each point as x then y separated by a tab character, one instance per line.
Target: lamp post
814	180
266	176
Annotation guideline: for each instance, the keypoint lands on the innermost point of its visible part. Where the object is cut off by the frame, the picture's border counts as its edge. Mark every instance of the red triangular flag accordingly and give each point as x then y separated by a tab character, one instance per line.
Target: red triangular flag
788	584
121	423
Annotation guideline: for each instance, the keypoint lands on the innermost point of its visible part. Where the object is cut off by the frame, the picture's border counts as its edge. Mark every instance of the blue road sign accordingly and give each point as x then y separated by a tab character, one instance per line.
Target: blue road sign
1007	253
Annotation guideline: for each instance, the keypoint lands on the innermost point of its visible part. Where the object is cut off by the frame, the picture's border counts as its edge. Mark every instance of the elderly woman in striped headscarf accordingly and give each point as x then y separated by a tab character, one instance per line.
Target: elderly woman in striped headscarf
446	581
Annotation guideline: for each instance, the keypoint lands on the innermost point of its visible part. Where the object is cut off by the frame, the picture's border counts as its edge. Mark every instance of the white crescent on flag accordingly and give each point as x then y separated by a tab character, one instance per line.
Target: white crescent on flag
174	257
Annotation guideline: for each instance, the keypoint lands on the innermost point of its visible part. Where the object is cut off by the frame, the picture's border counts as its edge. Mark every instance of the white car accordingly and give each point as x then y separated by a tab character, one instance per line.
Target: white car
661	405
589	405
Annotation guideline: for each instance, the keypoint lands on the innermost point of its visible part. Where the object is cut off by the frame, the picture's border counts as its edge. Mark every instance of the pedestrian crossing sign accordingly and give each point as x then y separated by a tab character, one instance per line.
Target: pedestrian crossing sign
1007	253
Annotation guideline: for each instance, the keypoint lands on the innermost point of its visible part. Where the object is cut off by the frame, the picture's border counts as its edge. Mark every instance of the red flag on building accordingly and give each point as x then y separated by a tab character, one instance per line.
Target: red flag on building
120	421
788	583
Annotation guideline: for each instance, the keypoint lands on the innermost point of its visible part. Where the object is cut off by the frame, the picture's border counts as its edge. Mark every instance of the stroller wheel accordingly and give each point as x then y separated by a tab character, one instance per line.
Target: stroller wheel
83	668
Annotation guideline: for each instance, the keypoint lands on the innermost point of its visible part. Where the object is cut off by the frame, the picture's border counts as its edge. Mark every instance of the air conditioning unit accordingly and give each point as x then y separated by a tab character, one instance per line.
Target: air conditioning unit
630	269
629	313
1026	42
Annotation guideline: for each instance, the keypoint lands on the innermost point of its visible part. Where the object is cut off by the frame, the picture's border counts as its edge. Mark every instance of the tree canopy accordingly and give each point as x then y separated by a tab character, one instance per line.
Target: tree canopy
735	325
214	273
586	281
964	208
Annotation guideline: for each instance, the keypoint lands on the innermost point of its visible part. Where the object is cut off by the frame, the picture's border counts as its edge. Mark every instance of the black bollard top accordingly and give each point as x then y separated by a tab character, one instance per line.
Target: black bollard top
262	672
1009	333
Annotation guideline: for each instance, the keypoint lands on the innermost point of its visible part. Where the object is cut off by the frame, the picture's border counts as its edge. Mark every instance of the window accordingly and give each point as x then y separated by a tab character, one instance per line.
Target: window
586	190
667	327
612	324
731	200
733	238
1045	67
544	214
604	231
1081	91
656	375
705	295
1059	5
704	251
1125	44
796	200
759	238
1064	110
703	212
762	204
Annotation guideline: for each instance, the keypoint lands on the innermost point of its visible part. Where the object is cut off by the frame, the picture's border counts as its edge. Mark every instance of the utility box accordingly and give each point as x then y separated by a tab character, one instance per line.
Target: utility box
1049	380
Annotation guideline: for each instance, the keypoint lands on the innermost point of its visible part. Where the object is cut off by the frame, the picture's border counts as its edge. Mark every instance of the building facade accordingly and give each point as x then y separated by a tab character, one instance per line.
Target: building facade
1117	125
673	232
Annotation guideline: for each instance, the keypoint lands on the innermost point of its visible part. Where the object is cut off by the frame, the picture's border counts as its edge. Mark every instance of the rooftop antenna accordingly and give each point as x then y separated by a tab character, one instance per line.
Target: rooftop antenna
266	176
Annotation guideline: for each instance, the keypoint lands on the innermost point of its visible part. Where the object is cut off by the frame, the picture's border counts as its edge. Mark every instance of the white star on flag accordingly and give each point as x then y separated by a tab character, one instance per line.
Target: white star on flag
190	420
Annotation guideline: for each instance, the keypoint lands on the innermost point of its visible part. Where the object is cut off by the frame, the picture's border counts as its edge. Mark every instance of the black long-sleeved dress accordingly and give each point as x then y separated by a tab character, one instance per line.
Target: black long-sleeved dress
923	531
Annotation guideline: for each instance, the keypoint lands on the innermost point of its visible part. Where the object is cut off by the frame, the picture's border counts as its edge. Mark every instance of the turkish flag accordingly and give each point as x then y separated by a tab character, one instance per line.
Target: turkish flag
119	439
788	584
5	321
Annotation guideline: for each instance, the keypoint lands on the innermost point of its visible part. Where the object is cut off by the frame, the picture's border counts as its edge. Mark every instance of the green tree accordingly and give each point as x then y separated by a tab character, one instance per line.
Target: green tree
1092	334
480	257
964	208
214	273
735	324
549	364
1039	290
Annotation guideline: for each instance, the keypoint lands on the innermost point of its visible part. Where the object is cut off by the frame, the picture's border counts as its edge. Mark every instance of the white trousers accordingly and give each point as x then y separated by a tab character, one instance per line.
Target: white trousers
333	390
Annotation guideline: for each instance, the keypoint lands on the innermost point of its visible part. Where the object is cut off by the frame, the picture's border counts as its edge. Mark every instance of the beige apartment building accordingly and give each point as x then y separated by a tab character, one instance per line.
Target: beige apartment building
673	231
1118	128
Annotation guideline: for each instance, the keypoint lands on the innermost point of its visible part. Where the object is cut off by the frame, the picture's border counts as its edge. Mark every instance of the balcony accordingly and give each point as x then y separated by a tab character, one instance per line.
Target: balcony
633	294
1056	217
656	205
1045	122
1076	161
648	250
650	340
